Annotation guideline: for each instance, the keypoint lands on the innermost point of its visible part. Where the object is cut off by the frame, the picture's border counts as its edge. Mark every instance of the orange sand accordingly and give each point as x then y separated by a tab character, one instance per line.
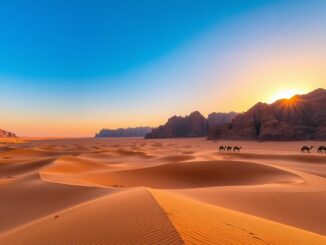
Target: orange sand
95	191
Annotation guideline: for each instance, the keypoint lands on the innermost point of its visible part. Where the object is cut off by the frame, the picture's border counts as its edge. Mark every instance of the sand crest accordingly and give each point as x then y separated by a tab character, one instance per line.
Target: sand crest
191	175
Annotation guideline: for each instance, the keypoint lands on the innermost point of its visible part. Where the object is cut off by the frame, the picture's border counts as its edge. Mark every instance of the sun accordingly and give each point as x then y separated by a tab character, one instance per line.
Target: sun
284	94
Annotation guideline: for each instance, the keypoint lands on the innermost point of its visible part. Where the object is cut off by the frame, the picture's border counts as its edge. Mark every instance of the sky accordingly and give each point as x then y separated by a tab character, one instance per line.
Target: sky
71	67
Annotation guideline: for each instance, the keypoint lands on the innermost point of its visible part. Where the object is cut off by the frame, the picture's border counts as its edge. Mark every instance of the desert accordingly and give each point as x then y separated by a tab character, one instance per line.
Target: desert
161	191
197	122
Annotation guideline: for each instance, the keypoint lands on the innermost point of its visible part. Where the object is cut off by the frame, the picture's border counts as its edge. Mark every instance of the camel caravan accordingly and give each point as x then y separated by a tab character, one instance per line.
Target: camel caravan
307	149
230	148
304	149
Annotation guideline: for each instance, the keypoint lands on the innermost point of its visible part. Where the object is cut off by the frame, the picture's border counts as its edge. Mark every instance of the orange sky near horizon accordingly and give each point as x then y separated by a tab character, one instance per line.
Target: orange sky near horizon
258	83
83	126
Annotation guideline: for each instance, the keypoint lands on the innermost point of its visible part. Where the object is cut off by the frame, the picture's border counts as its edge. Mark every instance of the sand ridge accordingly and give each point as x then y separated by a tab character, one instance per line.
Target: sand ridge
127	217
190	175
200	223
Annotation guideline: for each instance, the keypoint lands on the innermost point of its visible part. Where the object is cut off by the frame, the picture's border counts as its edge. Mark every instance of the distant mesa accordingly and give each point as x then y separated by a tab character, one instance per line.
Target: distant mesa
6	134
303	117
124	132
194	125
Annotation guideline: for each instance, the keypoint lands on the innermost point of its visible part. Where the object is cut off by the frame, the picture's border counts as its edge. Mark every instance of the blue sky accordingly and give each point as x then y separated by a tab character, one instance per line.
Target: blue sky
94	64
87	39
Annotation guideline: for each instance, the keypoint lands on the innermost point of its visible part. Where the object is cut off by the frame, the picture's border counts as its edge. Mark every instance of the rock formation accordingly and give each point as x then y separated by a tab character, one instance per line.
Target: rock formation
194	125
302	117
220	118
6	134
124	132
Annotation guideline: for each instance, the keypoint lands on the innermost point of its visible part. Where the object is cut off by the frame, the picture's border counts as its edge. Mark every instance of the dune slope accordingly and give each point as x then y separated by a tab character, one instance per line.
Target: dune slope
186	175
129	217
30	198
200	223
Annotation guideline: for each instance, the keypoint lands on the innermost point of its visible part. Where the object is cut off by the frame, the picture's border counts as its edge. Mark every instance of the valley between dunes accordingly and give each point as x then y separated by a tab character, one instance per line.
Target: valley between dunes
166	191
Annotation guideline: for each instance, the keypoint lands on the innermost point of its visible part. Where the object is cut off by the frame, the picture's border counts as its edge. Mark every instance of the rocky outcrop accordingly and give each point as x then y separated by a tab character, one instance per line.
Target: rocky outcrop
220	118
216	122
124	132
194	125
302	117
6	134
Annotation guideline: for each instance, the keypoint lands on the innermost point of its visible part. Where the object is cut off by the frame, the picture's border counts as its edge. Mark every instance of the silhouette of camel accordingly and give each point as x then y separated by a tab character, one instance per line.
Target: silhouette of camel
229	148
306	148
222	148
322	149
237	148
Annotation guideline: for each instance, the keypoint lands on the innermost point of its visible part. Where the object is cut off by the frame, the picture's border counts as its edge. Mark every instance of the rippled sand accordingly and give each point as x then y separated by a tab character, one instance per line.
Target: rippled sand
173	191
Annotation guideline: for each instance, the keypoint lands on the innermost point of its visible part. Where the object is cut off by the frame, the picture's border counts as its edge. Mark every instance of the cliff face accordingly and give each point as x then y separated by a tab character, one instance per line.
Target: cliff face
216	121
194	125
220	118
5	134
124	132
299	118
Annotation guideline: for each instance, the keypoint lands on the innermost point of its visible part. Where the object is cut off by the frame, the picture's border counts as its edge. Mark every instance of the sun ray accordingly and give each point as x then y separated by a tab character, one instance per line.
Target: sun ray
284	94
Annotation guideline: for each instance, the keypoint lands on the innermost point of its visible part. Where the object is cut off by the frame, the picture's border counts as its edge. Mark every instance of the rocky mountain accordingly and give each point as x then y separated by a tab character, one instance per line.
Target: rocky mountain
124	132
194	125
302	117
220	118
6	134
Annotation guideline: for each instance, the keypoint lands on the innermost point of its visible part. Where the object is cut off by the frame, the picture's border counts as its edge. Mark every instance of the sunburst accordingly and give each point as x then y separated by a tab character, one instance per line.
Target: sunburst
284	94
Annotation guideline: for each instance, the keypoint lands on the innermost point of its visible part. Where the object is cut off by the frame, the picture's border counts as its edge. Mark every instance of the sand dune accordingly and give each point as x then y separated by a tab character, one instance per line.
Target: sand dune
12	170
300	209
132	153
91	191
199	223
192	175
128	217
29	198
284	157
178	158
29	153
71	164
5	148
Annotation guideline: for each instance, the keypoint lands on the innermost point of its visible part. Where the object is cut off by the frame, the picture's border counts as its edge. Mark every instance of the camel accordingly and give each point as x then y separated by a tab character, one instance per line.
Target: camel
237	148
322	149
306	148
229	148
222	148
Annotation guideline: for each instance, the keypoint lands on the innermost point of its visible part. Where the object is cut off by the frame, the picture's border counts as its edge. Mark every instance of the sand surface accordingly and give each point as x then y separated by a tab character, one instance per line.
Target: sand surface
171	191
